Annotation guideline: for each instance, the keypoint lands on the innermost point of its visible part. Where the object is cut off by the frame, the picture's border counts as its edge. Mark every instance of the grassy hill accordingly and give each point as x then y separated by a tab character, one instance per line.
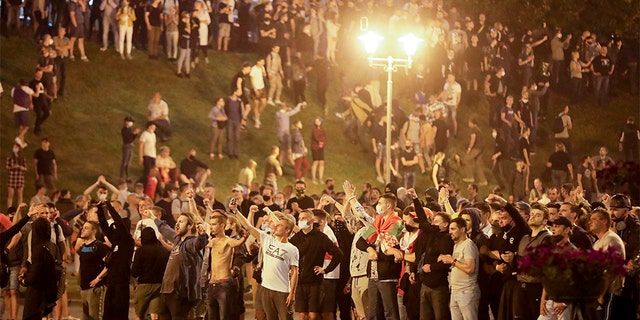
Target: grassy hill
85	127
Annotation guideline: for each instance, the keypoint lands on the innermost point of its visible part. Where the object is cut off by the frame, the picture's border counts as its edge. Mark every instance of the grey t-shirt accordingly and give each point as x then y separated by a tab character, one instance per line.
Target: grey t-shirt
459	279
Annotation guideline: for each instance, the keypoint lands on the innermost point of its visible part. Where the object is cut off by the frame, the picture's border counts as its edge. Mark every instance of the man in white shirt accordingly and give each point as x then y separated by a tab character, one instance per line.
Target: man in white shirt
465	292
280	258
599	224
147	151
257	75
159	114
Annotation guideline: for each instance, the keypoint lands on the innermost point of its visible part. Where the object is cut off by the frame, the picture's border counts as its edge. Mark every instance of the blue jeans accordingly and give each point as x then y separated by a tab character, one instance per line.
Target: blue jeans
387	291
233	136
218	296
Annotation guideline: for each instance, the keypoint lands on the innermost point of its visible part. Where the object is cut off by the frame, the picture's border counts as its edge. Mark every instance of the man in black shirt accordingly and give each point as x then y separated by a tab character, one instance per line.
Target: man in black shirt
128	137
300	201
44	163
194	170
313	245
433	241
602	67
92	253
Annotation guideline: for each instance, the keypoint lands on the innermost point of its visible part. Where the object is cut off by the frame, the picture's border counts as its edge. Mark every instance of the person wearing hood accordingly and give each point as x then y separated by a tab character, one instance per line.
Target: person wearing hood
513	227
148	268
116	300
312	245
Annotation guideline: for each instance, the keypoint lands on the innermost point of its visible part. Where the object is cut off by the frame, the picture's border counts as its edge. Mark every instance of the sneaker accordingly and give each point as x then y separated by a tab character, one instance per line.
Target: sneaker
103	49
206	60
482	184
85	59
212	156
129	57
280	102
339	115
72	58
270	102
122	56
380	179
468	180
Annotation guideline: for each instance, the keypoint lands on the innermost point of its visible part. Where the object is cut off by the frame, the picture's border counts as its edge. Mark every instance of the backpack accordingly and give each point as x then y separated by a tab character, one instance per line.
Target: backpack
558	124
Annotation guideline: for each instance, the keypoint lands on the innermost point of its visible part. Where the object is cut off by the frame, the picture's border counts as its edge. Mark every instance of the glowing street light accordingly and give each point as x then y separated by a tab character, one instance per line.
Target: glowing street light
371	41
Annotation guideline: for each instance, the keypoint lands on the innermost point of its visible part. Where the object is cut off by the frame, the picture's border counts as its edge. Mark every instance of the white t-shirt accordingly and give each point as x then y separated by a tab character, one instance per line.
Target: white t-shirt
158	109
459	279
149	148
277	257
452	93
257	77
335	274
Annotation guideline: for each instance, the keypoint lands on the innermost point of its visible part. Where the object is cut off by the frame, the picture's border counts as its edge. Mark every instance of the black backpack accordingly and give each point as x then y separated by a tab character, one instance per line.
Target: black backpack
558	124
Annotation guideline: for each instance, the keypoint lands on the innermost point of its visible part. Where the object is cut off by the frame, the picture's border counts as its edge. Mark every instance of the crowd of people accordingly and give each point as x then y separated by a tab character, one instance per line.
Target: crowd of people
377	254
373	254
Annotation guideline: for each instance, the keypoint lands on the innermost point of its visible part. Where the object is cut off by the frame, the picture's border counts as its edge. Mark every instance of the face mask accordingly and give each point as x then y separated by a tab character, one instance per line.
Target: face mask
228	232
174	196
265	227
316	224
299	192
280	203
331	187
379	209
266	198
303	224
410	228
16	150
102	196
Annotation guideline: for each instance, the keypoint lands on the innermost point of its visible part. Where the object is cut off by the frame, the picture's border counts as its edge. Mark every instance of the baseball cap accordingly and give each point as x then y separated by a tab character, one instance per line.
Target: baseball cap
128	118
561	221
237	188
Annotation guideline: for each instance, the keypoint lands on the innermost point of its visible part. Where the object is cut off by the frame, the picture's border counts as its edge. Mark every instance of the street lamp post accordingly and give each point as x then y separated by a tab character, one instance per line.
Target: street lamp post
390	64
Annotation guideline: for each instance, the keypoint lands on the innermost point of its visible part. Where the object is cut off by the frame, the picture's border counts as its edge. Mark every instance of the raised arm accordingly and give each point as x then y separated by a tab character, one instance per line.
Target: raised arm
233	207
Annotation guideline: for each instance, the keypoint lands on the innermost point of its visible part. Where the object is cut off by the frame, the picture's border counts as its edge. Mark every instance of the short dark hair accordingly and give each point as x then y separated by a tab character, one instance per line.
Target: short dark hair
319	213
390	197
444	216
460	223
543	208
246	64
149	124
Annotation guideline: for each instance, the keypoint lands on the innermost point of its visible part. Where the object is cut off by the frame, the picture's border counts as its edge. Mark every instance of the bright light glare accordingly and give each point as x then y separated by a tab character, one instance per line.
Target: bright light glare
410	43
371	41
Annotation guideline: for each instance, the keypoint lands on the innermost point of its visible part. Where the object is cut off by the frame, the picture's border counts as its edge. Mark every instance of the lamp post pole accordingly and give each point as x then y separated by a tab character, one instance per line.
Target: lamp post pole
390	64
387	169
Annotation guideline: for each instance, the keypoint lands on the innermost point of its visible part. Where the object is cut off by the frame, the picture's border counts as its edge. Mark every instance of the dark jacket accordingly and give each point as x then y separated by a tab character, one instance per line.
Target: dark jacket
150	259
312	248
430	244
119	261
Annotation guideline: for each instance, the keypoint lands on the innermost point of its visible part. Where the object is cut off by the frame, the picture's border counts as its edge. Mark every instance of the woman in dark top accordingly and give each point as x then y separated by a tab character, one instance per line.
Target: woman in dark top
44	254
560	164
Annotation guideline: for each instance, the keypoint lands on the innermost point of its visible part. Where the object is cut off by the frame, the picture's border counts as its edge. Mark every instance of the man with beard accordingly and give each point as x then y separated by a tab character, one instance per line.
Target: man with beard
91	253
529	289
513	227
180	290
116	300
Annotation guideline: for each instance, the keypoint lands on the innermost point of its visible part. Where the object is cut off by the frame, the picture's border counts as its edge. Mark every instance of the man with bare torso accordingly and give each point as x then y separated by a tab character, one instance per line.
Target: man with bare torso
217	269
